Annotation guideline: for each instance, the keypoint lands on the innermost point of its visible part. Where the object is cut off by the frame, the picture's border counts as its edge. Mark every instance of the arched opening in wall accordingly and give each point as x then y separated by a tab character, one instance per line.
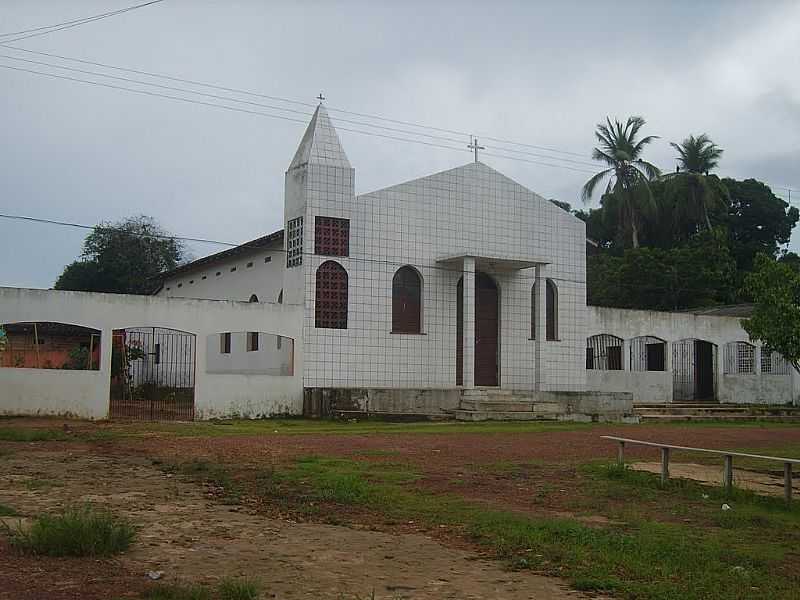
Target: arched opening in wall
487	331
694	370
533	311
280	297
330	310
551	311
152	374
49	345
253	298
648	353
740	359
773	363
604	352
407	301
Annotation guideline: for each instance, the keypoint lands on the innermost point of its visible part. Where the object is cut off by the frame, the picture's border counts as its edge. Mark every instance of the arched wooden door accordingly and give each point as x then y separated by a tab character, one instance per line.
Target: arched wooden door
487	330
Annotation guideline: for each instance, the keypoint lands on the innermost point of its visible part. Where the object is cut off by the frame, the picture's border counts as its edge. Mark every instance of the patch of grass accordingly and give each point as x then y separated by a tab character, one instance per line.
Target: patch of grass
229	588
7	511
238	589
40	484
31	434
646	558
75	531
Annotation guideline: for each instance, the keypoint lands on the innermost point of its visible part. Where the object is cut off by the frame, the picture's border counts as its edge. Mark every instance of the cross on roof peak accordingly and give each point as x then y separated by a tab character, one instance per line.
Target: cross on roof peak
473	145
321	97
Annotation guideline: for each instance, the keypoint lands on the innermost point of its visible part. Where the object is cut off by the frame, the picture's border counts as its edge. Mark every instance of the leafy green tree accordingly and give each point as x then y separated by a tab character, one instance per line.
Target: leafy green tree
757	220
122	258
775	289
627	192
694	193
700	273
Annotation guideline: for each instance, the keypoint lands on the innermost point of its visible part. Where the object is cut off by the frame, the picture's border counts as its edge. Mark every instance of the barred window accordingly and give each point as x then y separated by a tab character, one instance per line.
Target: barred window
773	363
648	353
331	296
331	236
406	301
740	357
294	242
604	352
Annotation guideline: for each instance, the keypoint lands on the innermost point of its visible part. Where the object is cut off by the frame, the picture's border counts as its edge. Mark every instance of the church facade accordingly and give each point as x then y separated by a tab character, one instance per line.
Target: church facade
462	278
465	284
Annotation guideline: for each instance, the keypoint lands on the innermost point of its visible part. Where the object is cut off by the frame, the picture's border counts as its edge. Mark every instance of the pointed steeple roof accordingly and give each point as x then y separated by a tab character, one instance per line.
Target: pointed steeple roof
320	144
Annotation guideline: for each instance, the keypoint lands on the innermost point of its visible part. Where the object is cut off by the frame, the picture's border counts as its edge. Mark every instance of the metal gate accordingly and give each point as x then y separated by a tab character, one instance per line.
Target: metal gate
152	374
694	369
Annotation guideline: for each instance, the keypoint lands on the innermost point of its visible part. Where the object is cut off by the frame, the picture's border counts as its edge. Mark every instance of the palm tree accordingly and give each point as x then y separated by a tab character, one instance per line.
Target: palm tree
696	192
628	174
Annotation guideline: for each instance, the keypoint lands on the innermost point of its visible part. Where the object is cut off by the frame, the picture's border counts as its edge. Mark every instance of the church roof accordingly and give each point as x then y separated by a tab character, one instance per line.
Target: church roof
320	144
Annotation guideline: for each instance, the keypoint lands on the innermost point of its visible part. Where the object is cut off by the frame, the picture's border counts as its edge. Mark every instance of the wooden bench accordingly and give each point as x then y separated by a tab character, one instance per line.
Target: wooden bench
727	474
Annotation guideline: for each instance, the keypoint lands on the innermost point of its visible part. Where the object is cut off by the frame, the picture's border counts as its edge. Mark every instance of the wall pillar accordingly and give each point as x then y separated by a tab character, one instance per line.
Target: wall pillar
104	389
541	326
468	363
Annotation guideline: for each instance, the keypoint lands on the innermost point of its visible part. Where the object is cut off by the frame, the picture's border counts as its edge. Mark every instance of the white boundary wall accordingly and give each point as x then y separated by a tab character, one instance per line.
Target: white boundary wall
657	387
86	393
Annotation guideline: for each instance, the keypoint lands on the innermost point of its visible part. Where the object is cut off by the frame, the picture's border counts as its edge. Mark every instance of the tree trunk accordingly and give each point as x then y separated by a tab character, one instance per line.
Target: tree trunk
634	233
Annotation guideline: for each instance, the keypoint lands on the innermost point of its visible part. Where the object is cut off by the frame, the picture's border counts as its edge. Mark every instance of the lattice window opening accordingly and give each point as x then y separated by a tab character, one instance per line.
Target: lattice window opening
294	242
773	363
740	358
648	353
330	311
331	236
604	352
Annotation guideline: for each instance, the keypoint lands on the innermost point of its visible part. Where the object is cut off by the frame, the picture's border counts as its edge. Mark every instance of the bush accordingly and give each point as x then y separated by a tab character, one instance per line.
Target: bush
76	531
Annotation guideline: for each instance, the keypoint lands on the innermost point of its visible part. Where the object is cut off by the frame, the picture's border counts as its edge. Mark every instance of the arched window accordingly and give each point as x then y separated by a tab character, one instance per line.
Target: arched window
406	301
604	352
533	311
331	296
280	297
253	298
551	310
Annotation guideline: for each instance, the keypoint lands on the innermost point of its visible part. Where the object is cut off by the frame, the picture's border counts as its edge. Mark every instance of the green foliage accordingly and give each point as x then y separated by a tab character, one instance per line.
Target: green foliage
775	290
77	359
122	258
7	511
699	273
76	531
229	588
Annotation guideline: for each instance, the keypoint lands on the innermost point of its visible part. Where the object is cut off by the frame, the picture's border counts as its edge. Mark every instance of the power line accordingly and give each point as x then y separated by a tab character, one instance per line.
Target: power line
47	29
293	101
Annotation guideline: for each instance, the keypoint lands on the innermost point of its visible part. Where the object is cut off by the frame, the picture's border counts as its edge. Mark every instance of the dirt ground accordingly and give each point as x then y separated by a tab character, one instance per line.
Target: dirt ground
191	537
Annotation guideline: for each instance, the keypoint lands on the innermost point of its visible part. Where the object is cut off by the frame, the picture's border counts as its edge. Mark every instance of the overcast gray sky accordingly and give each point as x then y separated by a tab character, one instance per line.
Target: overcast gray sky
534	72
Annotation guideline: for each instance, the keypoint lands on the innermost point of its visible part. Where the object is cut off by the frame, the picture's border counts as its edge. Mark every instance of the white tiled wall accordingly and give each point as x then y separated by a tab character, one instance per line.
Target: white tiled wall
468	210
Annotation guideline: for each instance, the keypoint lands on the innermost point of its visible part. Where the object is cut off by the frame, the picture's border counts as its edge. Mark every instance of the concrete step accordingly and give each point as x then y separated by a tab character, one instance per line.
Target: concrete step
662	418
485	415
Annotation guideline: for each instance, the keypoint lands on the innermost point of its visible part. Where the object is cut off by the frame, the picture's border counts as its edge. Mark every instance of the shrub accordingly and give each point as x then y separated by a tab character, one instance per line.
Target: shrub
238	589
76	531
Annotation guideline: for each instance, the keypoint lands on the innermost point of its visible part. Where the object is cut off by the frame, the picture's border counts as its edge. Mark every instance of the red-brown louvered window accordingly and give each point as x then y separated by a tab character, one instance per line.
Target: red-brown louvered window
406	301
331	236
331	296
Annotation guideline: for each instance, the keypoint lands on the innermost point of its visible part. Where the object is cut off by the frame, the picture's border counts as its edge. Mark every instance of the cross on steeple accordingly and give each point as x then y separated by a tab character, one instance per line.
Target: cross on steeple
473	145
320	97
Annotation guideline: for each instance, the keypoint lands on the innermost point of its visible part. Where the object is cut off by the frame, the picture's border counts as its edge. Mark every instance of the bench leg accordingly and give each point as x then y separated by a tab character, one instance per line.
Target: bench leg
727	475
787	482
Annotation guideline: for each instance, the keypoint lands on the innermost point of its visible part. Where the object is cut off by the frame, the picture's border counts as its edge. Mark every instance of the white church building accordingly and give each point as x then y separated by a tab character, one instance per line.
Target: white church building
461	294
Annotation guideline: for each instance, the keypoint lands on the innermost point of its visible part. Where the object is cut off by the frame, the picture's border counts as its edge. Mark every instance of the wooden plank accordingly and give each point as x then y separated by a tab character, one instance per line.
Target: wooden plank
727	474
793	461
664	465
787	482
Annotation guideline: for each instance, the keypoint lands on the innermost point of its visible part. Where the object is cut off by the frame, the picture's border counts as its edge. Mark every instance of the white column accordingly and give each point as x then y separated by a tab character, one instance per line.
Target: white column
541	325
468	363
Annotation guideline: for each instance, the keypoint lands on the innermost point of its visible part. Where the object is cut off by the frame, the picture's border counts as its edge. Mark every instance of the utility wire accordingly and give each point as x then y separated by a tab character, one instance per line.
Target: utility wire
297	102
391	263
47	29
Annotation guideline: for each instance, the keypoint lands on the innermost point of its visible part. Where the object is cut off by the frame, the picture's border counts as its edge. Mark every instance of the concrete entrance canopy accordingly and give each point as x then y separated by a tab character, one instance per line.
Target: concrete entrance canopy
492	264
469	264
